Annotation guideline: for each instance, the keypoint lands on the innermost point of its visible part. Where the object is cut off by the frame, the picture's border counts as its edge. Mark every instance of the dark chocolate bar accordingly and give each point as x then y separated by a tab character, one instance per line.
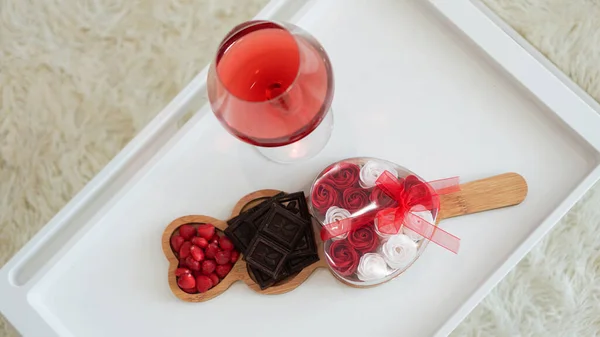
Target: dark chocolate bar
283	226
266	255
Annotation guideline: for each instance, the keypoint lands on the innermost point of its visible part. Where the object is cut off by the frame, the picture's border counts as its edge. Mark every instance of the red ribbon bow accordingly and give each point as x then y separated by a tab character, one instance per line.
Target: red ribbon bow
411	195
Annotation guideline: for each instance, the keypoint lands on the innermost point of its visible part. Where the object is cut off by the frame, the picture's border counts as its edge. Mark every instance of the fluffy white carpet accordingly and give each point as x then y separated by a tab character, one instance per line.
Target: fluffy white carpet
79	78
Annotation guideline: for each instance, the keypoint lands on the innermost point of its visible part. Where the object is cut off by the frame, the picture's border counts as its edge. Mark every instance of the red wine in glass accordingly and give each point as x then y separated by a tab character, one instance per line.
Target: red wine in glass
271	85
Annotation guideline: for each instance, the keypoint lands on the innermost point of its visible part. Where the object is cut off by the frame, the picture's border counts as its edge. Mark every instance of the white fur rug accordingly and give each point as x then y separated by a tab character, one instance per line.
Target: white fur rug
79	78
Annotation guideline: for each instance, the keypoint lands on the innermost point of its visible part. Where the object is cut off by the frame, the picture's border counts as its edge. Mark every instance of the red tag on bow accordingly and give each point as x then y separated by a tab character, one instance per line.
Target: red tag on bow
410	195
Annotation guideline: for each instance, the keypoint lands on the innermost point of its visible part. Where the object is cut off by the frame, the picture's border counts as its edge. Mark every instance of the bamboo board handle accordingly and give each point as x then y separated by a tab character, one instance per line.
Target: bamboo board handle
500	191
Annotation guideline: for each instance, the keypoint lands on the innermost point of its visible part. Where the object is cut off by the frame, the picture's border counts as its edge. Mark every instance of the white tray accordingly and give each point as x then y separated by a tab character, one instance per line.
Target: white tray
491	103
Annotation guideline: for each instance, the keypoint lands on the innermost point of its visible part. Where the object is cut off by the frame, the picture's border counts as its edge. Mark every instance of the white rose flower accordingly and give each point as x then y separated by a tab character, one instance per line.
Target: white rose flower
425	215
399	251
334	214
371	171
371	267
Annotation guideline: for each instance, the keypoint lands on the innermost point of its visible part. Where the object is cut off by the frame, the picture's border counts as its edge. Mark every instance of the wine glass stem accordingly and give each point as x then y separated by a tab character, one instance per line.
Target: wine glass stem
303	149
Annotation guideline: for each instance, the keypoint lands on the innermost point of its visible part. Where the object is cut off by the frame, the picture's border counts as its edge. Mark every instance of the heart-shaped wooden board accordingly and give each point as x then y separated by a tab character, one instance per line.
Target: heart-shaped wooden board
481	195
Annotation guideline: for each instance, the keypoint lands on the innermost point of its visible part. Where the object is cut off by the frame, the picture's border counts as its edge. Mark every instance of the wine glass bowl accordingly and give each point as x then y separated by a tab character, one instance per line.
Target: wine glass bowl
271	85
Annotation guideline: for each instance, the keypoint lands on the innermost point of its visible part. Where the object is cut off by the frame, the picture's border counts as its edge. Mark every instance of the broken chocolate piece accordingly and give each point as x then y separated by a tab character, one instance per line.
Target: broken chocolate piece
241	233
263	280
295	202
283	226
296	264
242	228
262	200
306	245
258	216
266	255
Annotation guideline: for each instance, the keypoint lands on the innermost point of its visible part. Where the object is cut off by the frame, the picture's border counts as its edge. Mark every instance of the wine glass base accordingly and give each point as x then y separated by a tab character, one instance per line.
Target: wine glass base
303	149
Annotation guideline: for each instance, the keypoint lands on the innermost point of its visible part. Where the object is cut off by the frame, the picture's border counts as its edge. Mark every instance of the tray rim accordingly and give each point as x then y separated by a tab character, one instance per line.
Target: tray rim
537	74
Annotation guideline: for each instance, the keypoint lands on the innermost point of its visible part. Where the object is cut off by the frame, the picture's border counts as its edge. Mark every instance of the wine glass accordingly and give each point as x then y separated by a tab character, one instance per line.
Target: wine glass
271	85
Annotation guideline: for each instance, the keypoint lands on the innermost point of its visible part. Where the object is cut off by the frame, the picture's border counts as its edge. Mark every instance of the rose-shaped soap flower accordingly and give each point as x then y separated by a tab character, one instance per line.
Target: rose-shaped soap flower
344	259
371	171
354	199
371	267
381	199
324	195
364	239
399	251
343	175
417	192
425	215
333	215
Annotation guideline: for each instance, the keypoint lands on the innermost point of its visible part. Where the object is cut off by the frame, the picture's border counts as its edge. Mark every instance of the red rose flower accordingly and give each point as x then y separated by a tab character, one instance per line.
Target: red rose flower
344	259
364	239
343	175
354	198
411	181
417	192
324	195
381	199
